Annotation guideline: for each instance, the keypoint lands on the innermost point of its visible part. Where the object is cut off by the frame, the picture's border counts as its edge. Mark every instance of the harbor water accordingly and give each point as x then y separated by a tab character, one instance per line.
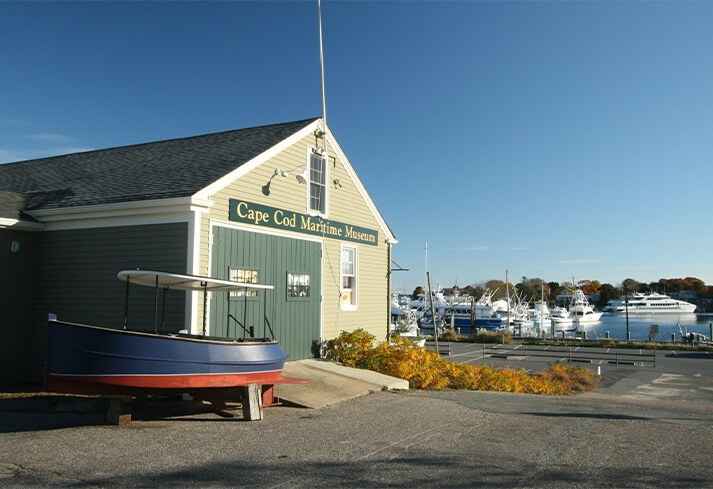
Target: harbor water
640	325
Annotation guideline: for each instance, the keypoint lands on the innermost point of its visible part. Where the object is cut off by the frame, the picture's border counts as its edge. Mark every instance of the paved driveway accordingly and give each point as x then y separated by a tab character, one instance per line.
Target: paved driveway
645	427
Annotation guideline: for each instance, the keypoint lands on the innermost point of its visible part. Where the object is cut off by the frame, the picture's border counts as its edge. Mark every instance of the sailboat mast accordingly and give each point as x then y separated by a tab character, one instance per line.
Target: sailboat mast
507	294
426	260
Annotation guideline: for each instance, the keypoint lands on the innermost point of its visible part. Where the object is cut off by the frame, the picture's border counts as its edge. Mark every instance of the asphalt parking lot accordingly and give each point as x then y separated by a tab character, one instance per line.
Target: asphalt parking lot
644	427
647	374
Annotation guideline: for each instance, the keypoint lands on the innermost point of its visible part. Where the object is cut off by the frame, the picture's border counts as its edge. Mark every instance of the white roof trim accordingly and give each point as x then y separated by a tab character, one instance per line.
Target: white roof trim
250	165
19	225
117	209
141	212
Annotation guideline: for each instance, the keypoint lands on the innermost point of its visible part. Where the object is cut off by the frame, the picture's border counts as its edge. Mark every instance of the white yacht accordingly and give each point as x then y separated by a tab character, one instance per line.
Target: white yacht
649	303
579	311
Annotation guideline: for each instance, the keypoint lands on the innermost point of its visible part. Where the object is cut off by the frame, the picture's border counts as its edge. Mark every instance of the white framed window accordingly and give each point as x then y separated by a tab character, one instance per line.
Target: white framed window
348	285
298	285
317	196
244	276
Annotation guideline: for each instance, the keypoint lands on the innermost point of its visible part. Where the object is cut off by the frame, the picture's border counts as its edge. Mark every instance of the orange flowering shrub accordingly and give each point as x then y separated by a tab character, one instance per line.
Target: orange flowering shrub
427	370
350	348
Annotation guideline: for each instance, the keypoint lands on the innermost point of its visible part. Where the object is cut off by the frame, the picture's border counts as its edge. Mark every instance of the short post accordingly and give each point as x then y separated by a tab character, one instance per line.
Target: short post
628	336
252	402
616	350
584	335
607	335
673	337
710	331
570	354
119	412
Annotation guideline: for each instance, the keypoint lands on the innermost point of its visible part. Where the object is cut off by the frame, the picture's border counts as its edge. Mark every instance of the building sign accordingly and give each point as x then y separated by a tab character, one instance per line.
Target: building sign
262	215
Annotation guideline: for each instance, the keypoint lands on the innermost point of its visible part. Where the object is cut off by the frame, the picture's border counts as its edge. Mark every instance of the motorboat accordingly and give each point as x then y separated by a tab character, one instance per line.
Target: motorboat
88	359
648	304
460	313
579	312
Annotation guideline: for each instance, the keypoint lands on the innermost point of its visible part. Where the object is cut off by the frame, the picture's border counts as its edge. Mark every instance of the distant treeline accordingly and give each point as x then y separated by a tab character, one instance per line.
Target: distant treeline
532	289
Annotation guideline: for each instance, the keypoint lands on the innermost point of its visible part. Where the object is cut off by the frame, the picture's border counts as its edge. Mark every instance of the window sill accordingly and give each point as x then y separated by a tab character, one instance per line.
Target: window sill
313	213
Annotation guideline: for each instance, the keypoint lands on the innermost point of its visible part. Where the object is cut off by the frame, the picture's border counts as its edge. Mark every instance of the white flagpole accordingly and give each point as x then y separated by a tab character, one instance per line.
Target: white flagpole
321	63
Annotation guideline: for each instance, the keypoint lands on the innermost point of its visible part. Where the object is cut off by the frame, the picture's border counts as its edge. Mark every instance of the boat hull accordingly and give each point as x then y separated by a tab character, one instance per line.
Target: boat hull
81	356
656	310
491	323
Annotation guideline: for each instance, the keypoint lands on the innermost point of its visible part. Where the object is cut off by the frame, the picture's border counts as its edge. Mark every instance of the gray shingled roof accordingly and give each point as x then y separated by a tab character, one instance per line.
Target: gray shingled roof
11	205
158	170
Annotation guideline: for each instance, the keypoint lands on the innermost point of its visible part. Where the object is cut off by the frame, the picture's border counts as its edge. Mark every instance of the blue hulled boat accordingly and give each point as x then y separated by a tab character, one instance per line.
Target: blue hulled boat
96	360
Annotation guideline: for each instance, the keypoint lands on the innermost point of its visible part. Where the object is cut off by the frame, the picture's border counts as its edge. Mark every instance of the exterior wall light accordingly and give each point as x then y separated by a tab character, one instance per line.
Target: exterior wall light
301	177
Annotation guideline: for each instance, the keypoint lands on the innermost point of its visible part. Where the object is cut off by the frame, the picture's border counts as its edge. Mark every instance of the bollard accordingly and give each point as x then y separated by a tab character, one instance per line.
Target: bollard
673	337
607	333
628	336
584	335
710	335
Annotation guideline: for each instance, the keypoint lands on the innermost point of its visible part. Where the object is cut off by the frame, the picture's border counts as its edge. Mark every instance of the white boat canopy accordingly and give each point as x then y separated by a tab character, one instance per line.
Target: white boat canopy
185	282
166	281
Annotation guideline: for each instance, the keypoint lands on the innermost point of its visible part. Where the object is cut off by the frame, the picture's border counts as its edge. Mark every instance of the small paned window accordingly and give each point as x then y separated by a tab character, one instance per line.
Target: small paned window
246	277
317	183
349	276
298	285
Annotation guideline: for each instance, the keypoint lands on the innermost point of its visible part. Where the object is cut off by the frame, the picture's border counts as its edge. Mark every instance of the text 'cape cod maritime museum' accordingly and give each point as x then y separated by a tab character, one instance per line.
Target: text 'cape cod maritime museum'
278	204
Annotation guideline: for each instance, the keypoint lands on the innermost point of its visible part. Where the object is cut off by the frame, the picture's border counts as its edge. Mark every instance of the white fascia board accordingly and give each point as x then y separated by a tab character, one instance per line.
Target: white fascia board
157	211
390	238
249	166
17	225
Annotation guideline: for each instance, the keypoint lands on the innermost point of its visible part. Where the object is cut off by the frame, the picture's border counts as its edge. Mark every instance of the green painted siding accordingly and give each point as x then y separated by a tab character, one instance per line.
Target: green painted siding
15	301
295	321
75	278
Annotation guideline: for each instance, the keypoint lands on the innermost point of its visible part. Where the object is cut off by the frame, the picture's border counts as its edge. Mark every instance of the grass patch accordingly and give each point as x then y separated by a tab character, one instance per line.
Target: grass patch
424	369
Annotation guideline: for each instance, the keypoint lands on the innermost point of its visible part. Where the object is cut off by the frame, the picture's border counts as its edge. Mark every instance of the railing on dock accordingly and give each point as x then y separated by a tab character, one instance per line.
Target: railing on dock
612	356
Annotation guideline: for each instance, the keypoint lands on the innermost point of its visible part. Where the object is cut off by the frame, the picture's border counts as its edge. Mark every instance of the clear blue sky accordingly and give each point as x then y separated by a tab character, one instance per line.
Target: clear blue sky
553	139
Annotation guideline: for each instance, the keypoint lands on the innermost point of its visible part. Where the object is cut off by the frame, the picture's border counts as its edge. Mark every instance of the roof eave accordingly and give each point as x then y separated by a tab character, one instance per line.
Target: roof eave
20	225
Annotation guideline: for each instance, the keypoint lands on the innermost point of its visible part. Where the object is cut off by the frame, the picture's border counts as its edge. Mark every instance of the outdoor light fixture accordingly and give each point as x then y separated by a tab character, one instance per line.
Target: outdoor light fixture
301	177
